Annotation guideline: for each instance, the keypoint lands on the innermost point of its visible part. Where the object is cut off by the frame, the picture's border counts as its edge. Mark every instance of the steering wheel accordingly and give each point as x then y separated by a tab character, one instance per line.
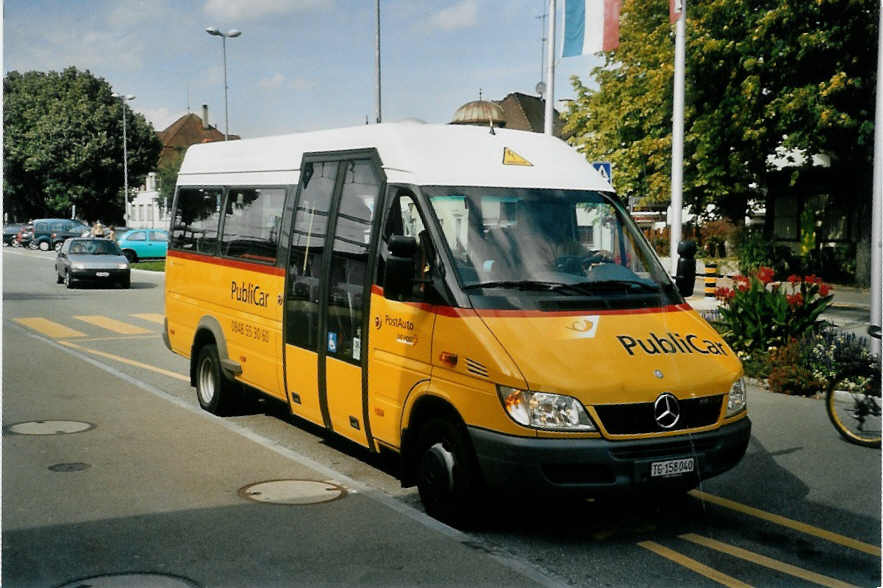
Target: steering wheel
596	257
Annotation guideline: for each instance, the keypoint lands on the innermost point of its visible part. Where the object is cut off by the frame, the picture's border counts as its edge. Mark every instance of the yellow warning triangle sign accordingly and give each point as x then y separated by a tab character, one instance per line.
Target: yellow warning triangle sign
512	158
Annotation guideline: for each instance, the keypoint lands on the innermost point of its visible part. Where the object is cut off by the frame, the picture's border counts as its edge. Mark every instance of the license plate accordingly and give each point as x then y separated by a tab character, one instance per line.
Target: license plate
102	274
674	467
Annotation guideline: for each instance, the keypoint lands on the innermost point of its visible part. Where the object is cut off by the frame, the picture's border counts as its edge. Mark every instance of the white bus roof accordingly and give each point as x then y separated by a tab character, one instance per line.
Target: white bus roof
411	153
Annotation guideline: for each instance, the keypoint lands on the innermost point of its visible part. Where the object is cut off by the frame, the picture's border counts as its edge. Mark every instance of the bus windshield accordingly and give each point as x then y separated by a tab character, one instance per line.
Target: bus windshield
548	249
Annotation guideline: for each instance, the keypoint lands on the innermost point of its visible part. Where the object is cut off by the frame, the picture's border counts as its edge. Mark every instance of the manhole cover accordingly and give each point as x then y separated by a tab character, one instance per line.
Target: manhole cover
142	580
292	492
49	427
70	467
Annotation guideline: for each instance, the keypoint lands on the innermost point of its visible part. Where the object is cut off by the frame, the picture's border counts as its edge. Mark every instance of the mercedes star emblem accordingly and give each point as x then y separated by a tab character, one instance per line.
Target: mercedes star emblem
666	410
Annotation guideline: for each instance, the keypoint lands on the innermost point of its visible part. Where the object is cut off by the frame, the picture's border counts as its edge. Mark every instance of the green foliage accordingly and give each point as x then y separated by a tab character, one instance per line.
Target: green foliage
63	146
753	250
758	314
789	374
167	177
154	266
761	74
806	366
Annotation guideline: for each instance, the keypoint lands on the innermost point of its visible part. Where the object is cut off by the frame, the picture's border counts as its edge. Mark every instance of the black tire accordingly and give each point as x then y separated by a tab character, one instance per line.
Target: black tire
68	281
447	472
131	256
855	413
216	394
32	245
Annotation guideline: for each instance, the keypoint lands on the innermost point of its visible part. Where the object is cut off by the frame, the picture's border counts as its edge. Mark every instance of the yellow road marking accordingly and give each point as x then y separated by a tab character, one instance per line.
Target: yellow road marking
118	338
132	362
790	523
150	317
111	324
765	561
49	328
692	564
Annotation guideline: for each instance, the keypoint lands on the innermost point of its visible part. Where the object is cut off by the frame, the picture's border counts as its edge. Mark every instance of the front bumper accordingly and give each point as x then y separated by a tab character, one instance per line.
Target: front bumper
598	466
96	275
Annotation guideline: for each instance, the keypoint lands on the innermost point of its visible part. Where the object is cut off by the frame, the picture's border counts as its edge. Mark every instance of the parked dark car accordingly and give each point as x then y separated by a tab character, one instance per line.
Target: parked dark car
50	233
91	260
10	231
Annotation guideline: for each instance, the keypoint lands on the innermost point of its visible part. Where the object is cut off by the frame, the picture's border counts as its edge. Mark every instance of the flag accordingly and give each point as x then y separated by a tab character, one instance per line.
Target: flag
590	26
675	7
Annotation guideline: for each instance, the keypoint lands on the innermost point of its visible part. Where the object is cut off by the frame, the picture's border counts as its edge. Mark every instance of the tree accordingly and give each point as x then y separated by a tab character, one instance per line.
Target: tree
63	146
167	176
761	75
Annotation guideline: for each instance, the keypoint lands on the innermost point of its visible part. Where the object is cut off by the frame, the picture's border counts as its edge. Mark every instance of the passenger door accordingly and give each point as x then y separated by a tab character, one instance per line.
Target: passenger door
327	292
401	330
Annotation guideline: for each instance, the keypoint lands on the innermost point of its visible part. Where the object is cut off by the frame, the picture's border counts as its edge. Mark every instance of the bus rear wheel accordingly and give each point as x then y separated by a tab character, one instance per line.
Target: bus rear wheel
215	393
447	477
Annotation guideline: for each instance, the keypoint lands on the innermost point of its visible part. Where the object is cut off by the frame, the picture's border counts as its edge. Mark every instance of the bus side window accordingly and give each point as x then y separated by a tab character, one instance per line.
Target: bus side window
197	214
404	218
251	223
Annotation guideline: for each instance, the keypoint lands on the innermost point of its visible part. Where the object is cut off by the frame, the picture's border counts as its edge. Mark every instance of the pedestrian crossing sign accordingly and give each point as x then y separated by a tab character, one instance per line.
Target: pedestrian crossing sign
605	169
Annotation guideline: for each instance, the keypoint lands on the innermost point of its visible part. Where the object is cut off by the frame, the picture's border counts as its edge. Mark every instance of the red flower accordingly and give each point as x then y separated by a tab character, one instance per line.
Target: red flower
742	283
724	294
824	290
765	274
795	299
793	279
812	279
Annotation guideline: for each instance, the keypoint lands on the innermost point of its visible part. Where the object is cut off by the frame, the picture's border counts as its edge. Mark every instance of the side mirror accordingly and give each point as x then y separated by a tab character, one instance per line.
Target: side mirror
398	277
686	276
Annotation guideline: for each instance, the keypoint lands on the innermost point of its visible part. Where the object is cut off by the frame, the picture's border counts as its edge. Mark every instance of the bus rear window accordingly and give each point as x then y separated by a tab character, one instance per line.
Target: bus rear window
195	224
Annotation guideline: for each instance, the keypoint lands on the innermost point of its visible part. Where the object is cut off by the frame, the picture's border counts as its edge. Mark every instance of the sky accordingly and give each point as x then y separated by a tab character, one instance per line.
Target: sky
299	65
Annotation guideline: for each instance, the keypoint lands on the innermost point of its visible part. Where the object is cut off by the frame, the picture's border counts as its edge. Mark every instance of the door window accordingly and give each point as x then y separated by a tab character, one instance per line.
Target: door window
137	236
404	219
305	261
349	259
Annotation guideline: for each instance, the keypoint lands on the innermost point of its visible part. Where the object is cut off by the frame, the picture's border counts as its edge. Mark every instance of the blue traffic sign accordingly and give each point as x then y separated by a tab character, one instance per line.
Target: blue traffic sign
605	169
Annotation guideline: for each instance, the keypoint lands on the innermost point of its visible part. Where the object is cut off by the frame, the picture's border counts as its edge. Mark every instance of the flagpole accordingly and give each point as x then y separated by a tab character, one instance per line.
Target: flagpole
377	63
877	199
677	135
548	120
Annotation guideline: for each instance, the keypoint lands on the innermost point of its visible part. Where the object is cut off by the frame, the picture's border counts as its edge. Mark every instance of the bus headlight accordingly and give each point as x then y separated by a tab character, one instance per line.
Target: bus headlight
737	399
544	410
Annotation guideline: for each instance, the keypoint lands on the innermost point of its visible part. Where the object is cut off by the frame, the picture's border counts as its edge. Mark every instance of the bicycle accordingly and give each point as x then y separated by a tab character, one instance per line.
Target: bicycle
853	401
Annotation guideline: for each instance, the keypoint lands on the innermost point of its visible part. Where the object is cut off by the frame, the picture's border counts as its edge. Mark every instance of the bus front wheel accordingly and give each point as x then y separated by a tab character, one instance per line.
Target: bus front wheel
446	472
214	392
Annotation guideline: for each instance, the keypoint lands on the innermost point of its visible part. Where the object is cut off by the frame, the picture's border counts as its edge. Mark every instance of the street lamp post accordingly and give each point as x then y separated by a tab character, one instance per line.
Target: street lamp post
123	99
232	34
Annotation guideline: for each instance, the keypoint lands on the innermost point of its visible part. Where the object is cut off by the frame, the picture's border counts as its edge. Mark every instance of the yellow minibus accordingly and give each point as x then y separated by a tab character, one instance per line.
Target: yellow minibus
476	301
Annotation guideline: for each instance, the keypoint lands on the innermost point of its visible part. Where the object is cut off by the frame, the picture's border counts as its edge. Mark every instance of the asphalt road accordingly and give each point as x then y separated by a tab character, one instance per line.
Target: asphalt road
156	487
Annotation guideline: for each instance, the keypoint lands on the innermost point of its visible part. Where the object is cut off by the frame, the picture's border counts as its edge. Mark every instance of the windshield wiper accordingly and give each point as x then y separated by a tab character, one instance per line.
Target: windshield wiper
525	285
632	285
